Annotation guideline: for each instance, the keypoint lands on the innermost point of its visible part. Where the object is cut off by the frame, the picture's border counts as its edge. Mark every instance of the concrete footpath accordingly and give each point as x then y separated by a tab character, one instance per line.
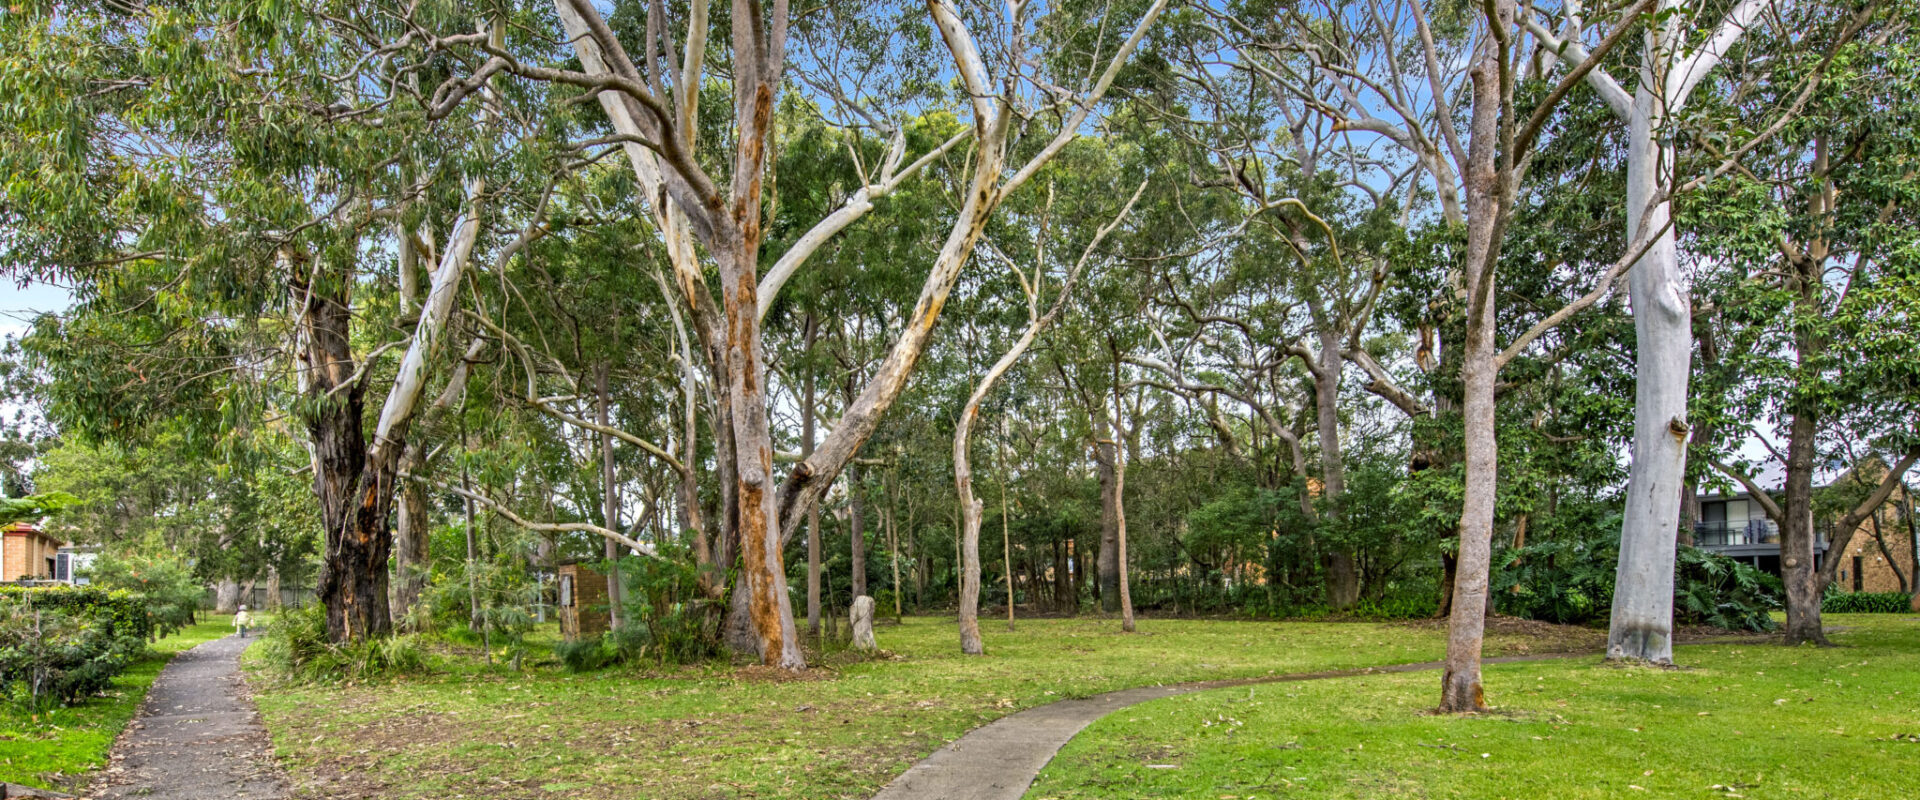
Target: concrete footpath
999	760
197	735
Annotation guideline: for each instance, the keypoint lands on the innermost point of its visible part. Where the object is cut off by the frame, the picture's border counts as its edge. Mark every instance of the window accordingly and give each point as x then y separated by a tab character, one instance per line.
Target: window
63	567
1857	582
566	591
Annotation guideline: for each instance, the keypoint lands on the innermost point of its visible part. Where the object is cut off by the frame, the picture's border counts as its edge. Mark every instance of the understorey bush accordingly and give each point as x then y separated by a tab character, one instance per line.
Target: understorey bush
49	655
164	583
297	648
1866	603
124	613
1570	582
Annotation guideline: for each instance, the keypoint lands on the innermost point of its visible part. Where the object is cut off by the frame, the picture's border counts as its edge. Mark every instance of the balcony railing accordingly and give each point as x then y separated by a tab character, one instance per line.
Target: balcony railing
1734	534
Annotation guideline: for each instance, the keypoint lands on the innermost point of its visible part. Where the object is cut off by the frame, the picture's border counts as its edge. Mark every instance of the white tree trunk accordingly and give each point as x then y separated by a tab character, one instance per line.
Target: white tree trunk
1642	624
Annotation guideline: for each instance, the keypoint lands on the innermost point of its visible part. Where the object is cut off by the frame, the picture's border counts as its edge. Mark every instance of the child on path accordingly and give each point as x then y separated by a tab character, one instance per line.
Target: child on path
243	620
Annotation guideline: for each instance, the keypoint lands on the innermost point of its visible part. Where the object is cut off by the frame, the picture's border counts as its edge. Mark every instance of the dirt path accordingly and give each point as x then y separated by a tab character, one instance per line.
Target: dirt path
999	760
197	736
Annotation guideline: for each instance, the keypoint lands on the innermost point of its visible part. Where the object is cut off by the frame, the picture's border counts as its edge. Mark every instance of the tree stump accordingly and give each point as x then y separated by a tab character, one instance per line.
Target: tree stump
862	619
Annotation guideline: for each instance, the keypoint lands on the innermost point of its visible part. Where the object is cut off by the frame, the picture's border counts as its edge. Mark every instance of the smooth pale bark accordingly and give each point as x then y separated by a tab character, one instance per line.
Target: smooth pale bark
1460	688
412	557
761	519
1120	538
970	506
412	551
1006	546
1343	578
610	508
993	117
860	619
1642	621
226	596
355	479
807	400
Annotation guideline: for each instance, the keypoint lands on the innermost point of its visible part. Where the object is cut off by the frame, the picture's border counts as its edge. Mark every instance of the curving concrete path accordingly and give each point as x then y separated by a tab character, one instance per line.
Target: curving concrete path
999	760
197	735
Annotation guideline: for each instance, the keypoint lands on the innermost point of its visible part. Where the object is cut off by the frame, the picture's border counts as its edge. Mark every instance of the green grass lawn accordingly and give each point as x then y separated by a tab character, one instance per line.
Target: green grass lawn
1753	721
56	749
718	731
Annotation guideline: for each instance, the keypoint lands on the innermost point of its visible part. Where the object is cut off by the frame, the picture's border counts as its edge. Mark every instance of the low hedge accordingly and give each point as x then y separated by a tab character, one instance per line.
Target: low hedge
1866	603
123	612
50	655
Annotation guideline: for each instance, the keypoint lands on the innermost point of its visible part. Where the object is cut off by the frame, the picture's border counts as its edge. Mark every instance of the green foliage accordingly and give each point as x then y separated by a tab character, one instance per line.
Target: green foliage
582	656
123	613
34	506
298	649
52	655
667	618
1570	581
163	582
1714	590
1866	603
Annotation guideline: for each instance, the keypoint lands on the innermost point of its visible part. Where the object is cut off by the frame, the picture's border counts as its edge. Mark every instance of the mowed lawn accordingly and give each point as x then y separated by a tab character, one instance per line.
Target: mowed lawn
719	731
1752	721
57	749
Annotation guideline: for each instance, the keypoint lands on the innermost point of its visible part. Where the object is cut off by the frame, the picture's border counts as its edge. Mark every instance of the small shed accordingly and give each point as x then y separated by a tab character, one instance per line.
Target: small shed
584	611
28	553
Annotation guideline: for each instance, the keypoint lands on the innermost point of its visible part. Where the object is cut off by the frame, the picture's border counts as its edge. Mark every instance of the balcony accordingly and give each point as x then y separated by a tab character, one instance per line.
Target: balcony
1753	535
1735	534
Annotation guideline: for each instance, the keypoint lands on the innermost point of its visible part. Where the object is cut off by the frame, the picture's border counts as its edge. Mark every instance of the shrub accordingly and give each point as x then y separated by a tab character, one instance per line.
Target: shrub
124	613
1712	589
52	655
667	616
297	648
168	590
582	656
1866	603
1571	582
1397	607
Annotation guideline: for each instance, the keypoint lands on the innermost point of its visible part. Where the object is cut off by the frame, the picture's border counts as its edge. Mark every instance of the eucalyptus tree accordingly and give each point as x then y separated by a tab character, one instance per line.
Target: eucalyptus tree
270	220
1814	280
1670	69
1446	89
1031	285
652	102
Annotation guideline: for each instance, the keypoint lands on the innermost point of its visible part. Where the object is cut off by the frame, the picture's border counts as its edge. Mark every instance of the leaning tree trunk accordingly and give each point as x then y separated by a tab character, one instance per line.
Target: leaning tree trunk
1642	624
1120	538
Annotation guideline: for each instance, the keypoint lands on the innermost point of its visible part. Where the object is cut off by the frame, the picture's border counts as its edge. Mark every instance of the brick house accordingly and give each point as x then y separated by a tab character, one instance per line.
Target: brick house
1733	525
1865	566
28	553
